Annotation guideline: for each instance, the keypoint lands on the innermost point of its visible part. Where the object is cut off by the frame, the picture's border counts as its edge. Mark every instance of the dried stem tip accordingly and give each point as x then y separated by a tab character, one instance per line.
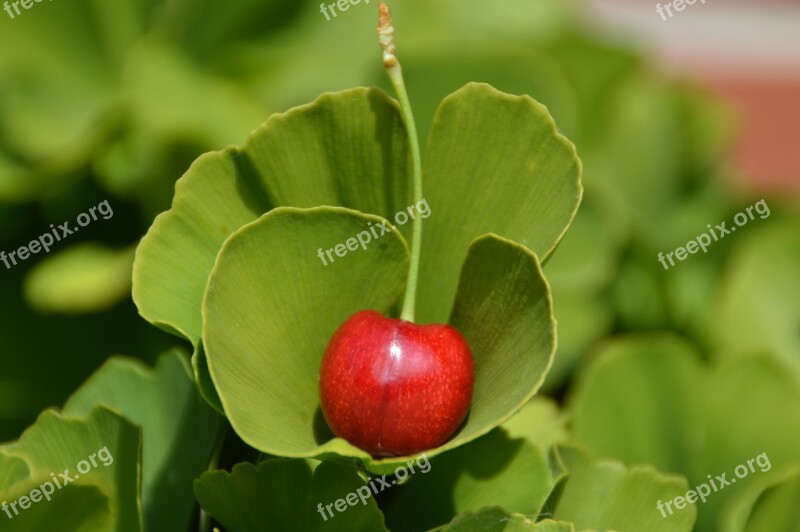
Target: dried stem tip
386	36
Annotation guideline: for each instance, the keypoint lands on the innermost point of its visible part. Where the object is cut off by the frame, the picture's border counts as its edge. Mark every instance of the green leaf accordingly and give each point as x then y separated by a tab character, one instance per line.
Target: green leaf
203	378
497	519
202	30
495	163
281	494
662	373
638	141
173	259
12	470
758	308
106	446
83	278
770	504
582	321
434	72
504	310
266	372
206	210
178	429
492	470
585	265
603	495
165	89
354	155
59	89
16	183
751	406
140	167
687	419
80	508
539	422
597	70
638	296
272	306
587	258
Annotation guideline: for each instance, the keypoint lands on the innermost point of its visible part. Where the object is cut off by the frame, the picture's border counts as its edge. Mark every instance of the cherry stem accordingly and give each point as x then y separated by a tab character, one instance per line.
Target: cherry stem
392	65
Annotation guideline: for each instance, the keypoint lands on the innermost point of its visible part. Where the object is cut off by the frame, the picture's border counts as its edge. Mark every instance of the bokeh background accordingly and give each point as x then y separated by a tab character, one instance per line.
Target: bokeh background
679	123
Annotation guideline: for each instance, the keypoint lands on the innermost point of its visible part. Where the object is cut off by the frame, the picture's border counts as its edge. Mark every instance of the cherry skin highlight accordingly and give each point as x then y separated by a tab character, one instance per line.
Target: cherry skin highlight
395	388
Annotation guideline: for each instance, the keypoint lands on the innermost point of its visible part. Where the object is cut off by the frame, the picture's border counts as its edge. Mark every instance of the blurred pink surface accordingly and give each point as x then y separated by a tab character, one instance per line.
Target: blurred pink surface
768	146
747	52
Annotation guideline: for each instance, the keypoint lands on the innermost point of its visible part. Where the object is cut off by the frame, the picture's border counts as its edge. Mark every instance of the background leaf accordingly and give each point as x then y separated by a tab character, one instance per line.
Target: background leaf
540	422
178	430
82	278
687	419
281	494
770	503
81	508
493	470
496	519
606	496
56	443
758	303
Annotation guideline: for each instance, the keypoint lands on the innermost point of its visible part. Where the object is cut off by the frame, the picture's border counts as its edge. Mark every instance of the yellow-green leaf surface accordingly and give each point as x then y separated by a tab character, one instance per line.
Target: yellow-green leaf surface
495	163
504	310
344	149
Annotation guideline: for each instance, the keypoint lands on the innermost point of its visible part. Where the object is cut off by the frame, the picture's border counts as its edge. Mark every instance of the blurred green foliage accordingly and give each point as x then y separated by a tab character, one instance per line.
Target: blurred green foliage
114	101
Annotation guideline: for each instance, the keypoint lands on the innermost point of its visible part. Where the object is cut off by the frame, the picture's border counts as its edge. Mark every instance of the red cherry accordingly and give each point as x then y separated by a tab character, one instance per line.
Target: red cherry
392	387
